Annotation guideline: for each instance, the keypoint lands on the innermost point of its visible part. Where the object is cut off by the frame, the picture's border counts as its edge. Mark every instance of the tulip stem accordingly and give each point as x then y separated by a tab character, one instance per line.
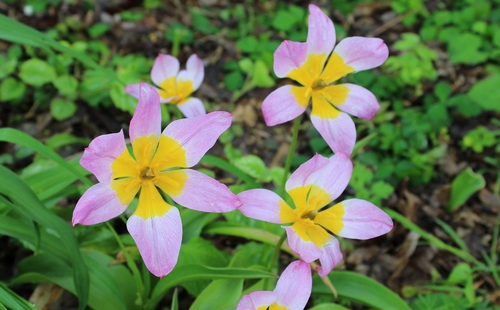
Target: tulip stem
274	258
291	151
130	262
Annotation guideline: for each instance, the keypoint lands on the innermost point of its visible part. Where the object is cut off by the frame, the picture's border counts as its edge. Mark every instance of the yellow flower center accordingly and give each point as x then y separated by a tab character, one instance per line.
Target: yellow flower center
177	91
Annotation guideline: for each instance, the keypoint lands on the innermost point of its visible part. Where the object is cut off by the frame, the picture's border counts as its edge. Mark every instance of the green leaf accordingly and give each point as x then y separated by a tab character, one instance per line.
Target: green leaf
349	284
328	306
7	66
463	186
66	85
247	44
220	294
233	80
224	165
260	76
37	72
252	165
179	32
196	272
201	251
121	99
26	201
13	301
486	93
18	137
284	20
460	273
464	49
98	29
62	109
108	284
11	89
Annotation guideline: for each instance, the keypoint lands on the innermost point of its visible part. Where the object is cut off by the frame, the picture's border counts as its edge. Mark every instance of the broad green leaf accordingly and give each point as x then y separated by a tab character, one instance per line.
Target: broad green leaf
18	137
37	72
465	49
62	109
196	272
179	32
21	230
460	274
220	294
7	66
224	165
201	251
248	44
252	165
13	301
66	85
121	99
111	287
11	89
463	186
233	80
284	20
486	93
260	76
194	221
328	306
26	201
52	181
361	289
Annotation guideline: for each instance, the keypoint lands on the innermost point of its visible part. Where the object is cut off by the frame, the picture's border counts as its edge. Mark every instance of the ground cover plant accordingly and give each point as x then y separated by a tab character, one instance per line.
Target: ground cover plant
172	137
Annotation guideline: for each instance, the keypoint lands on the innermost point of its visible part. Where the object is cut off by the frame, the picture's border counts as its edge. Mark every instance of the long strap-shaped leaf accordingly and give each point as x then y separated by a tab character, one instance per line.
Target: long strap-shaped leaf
18	137
23	197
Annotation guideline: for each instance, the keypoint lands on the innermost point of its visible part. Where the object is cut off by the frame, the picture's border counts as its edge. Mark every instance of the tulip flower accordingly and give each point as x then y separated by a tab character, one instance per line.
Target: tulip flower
310	225
158	165
316	65
291	293
175	87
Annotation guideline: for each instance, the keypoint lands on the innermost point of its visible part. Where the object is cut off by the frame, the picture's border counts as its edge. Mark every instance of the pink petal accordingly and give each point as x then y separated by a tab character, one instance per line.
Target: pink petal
362	53
332	175
363	220
339	132
294	285
282	105
320	33
198	134
257	299
192	107
195	71
289	56
147	116
360	101
133	90
164	67
261	204
306	250
98	204
100	154
158	239
202	193
330	257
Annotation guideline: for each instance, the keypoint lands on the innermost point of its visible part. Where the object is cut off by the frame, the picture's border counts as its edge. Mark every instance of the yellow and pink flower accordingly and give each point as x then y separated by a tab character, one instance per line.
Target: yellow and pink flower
158	164
316	65
311	223
174	86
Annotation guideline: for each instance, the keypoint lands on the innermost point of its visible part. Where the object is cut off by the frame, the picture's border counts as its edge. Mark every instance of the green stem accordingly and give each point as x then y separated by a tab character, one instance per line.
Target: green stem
291	151
274	258
130	262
